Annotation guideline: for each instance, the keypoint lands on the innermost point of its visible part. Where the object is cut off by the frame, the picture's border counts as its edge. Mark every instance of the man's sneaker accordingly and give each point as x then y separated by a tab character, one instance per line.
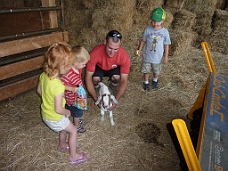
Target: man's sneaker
146	87
155	85
113	88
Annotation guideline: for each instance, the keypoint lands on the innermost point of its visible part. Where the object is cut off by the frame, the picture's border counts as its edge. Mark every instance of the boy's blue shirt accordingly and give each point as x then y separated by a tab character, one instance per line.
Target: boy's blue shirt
153	49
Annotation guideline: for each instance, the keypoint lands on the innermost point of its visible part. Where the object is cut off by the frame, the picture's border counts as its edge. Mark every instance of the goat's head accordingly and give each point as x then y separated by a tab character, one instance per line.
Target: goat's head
106	101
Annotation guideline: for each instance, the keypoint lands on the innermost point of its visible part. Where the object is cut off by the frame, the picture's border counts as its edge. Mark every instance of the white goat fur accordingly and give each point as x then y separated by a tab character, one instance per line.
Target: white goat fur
105	100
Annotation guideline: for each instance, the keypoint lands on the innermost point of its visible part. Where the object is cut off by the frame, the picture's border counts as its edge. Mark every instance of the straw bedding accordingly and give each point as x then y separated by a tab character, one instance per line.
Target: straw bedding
140	140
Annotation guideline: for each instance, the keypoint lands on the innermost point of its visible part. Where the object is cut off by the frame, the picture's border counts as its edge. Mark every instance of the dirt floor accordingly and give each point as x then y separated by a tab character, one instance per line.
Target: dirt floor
140	140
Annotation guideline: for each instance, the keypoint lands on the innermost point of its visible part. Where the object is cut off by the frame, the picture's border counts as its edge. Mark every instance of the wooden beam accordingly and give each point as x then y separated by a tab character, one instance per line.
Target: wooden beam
52	14
18	87
17	68
27	44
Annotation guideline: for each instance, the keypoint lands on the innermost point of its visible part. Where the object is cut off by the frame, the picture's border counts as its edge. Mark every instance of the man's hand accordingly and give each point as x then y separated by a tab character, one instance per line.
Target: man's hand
98	102
113	105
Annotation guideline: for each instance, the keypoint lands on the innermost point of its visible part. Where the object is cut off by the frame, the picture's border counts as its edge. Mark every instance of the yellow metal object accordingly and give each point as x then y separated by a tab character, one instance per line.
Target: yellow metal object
199	101
208	57
186	145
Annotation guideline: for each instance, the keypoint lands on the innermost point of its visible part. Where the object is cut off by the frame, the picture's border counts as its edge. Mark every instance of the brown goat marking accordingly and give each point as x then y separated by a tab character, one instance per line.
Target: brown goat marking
109	97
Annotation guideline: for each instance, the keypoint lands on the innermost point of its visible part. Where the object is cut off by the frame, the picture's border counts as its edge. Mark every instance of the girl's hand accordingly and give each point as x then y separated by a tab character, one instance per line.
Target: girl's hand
68	114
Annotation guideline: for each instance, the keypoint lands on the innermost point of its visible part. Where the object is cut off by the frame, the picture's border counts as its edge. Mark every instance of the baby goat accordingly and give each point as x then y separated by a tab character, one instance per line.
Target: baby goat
104	99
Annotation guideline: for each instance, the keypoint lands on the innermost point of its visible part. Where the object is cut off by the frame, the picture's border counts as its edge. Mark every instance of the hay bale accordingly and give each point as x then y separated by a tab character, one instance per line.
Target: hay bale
203	23
221	4
181	42
148	5
218	38
118	16
169	19
89	38
183	20
220	22
204	11
175	5
198	6
218	41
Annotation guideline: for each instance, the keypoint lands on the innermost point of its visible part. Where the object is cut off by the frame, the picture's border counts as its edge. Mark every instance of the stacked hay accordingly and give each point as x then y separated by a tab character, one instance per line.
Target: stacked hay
204	11
107	16
181	42
175	5
169	19
218	39
77	17
183	20
182	36
221	4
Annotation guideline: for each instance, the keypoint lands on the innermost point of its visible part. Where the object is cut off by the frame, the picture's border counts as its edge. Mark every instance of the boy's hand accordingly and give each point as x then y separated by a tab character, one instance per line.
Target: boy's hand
165	60
75	89
137	53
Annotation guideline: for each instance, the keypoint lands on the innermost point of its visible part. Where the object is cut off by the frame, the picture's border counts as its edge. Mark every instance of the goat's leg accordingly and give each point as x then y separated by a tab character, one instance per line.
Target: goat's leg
111	118
102	115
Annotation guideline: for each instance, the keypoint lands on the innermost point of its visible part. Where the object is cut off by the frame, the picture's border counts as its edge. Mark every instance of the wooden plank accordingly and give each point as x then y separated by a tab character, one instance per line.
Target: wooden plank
52	14
20	67
27	44
18	87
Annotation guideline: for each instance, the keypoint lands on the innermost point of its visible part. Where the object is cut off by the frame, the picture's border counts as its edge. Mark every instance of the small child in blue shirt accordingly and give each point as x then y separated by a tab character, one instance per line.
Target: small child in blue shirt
155	44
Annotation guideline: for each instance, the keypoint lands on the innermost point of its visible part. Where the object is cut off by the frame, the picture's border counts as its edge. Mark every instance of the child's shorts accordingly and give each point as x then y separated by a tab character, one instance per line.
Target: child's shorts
57	125
148	67
75	112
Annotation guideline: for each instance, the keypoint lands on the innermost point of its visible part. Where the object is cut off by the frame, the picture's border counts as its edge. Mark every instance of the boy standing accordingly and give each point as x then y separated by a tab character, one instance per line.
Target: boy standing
156	40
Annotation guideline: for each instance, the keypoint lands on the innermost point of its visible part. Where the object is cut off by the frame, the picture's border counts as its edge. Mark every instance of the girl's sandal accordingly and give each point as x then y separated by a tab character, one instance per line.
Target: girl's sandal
82	159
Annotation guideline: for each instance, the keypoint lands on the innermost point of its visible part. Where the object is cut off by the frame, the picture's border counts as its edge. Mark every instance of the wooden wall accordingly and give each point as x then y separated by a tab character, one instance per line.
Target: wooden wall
21	58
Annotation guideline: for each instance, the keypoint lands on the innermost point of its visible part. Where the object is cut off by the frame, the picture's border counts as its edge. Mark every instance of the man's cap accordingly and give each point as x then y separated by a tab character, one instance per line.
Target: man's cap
158	14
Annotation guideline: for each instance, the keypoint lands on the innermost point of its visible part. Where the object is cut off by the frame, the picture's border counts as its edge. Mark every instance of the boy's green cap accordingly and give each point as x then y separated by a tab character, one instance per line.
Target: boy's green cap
158	14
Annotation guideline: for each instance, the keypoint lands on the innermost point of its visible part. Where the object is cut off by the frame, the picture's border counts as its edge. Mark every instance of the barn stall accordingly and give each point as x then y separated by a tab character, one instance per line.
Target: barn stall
26	33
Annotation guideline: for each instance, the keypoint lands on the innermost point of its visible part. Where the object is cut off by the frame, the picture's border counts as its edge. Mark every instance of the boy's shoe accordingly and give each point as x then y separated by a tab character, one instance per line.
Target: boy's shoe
146	87
81	122
155	85
113	88
81	129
